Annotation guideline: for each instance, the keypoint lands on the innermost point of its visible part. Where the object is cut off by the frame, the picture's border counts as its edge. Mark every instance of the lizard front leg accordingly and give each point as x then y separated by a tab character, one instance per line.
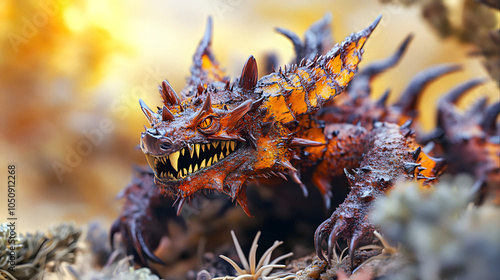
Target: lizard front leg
390	155
144	218
343	149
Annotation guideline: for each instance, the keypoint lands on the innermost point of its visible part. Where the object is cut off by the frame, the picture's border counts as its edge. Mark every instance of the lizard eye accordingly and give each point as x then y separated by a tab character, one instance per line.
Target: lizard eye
206	123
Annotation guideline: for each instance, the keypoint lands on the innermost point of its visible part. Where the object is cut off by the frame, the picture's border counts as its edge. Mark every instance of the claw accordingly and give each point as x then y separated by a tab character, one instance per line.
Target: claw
135	240
318	239
332	238
409	98
356	237
179	207
114	229
140	245
146	250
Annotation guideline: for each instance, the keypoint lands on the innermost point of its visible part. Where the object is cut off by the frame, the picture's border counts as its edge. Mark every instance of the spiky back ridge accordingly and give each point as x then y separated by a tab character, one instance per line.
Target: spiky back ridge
254	111
301	89
289	92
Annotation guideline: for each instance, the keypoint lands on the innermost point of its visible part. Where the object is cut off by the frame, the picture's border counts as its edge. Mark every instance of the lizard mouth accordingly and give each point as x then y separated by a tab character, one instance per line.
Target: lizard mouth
180	164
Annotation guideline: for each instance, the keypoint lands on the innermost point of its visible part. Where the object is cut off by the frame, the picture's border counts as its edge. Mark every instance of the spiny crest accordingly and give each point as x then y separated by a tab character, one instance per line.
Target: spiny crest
152	117
305	88
166	115
205	109
168	94
249	75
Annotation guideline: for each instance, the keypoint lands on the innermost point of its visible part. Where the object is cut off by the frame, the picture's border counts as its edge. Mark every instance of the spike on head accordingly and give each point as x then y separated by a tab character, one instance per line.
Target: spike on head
207	108
200	89
168	94
237	113
166	115
150	115
211	137
249	74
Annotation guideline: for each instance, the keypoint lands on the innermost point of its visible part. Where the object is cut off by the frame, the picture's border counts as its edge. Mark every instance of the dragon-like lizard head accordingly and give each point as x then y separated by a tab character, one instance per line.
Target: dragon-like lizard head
217	134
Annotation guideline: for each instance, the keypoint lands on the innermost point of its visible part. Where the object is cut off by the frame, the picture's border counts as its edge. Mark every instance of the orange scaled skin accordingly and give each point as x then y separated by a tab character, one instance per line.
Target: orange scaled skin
271	120
231	110
289	124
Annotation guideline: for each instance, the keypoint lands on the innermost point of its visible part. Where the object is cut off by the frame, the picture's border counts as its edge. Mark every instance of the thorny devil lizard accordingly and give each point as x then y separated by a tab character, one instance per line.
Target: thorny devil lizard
218	134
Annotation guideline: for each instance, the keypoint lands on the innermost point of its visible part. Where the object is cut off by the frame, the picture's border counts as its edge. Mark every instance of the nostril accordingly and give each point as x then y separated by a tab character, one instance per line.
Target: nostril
165	146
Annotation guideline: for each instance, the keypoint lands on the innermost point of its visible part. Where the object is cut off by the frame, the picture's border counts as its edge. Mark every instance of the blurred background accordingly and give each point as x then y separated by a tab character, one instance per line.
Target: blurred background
71	74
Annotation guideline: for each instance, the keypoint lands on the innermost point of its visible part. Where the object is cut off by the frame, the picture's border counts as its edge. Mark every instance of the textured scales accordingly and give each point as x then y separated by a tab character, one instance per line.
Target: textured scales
220	116
218	134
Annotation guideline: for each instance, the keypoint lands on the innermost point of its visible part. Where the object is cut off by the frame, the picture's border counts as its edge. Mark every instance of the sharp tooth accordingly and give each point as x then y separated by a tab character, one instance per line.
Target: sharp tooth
182	151
179	175
215	144
185	172
174	159
223	145
155	169
202	165
195	168
227	152
233	145
191	150
190	169
221	156
151	161
203	147
215	159
197	147
209	162
208	146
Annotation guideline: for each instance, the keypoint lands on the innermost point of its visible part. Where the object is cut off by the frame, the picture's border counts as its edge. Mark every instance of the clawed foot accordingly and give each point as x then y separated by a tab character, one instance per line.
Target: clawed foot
350	223
132	233
143	220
